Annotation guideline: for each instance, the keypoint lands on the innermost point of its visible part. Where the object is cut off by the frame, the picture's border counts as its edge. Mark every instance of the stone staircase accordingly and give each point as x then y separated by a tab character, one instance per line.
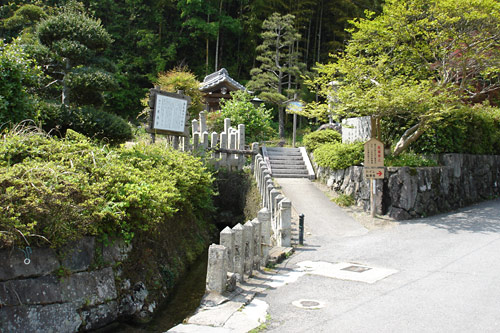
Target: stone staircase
288	162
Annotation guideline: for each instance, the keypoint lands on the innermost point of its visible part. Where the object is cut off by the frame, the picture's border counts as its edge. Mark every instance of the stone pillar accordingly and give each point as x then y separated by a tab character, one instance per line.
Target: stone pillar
241	136
204	141
227	125
196	140
185	144
267	178
223	145
232	145
175	142
227	240
203	121
239	254
265	231
196	126
272	208
248	231
216	269
285	207
257	248
270	187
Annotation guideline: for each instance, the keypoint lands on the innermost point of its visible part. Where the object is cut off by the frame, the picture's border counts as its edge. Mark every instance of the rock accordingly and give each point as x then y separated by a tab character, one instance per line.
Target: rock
100	315
398	214
78	256
43	261
89	288
53	318
118	250
133	303
38	291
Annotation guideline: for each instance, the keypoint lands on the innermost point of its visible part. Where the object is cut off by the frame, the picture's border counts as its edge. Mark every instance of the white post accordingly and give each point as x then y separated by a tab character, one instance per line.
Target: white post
216	269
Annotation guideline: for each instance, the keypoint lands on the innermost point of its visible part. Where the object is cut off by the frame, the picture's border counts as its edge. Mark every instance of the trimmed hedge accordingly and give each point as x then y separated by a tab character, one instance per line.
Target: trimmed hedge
315	139
63	189
338	155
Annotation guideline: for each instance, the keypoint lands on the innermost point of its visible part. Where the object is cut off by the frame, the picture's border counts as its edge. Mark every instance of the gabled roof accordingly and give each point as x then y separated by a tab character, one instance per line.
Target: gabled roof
219	79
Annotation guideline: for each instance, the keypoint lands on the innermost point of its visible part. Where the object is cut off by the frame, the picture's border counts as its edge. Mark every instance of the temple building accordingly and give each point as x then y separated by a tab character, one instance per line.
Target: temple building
217	86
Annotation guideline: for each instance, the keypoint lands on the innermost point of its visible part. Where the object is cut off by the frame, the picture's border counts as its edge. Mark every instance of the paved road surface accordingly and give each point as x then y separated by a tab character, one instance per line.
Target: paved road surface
447	275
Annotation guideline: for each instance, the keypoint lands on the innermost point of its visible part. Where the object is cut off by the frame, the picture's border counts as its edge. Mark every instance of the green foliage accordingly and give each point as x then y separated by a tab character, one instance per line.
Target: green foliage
91	122
25	16
418	57
64	189
240	109
344	200
410	159
180	78
17	73
315	139
337	156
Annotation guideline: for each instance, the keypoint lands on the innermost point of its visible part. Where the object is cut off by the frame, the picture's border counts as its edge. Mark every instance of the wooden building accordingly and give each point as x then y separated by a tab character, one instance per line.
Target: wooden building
217	86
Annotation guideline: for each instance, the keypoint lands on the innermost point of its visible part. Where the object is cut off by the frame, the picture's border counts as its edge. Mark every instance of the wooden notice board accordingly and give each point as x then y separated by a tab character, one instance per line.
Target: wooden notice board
374	153
168	113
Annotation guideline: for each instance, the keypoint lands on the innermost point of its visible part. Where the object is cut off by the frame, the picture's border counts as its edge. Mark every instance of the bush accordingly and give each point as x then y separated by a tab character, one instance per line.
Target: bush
91	122
468	130
63	189
338	155
240	109
315	139
410	159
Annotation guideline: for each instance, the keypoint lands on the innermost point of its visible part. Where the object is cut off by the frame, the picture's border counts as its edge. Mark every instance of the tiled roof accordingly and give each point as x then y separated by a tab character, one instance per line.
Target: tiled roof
215	79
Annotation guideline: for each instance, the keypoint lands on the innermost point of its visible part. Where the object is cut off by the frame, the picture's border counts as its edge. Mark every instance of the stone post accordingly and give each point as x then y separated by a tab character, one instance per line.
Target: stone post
248	231
267	179
223	145
204	141
232	145
239	259
213	144
196	141
227	125
185	144
274	193
241	136
255	149
216	269
175	142
227	240
270	187
203	121
257	248
285	207
196	126
265	230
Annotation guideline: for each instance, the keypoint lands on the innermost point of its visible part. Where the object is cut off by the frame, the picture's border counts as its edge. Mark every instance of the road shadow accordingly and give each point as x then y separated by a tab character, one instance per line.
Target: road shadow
483	217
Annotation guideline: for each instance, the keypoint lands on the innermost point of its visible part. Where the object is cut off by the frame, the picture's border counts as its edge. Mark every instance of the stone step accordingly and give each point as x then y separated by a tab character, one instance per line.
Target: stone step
286	162
290	175
290	170
289	166
284	157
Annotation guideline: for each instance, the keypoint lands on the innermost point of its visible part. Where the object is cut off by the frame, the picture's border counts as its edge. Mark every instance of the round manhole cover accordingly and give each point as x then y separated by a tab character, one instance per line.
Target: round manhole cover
308	304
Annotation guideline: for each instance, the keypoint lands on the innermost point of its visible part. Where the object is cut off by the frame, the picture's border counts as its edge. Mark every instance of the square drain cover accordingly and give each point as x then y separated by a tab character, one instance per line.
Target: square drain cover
356	269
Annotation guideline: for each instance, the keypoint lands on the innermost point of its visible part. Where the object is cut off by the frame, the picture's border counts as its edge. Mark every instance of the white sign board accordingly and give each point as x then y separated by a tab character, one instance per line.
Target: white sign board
170	113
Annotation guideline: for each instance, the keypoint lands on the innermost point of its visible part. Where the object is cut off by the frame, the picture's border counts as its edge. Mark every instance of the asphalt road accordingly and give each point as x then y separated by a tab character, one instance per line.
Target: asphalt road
446	272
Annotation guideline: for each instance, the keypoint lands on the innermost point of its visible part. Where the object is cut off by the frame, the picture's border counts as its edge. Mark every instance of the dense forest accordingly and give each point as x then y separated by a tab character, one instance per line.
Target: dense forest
153	36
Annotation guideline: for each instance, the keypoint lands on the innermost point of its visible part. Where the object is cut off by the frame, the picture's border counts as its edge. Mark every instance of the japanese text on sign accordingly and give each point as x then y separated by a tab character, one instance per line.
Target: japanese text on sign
170	113
375	173
374	153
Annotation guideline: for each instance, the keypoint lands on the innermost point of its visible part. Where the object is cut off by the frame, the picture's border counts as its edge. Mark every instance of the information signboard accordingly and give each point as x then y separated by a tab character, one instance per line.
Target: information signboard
374	173
294	107
374	153
168	113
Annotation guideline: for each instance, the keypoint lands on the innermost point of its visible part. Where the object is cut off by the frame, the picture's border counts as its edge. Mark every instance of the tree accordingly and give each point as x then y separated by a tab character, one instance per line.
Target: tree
74	41
241	110
18	74
417	60
280	68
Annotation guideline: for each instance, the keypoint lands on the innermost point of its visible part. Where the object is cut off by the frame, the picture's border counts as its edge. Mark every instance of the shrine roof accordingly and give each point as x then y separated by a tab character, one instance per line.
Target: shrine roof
219	78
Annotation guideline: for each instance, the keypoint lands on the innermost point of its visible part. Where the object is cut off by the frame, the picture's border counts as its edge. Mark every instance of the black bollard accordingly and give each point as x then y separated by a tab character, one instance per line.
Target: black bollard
301	229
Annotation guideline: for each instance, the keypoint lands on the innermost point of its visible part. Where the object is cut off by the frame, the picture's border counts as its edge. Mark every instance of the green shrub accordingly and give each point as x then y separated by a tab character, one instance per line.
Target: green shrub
338	155
89	121
344	200
468	130
410	159
315	139
62	189
240	109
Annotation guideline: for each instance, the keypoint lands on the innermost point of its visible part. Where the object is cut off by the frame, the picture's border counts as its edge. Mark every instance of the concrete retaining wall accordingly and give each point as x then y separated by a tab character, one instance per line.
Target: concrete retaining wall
407	192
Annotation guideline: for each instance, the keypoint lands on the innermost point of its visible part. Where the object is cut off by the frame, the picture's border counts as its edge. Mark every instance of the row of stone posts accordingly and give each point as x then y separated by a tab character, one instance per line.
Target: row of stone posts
278	205
242	249
231	138
246	247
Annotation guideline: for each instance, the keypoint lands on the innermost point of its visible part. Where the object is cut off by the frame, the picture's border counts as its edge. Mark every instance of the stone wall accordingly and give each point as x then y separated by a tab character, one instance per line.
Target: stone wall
407	192
74	289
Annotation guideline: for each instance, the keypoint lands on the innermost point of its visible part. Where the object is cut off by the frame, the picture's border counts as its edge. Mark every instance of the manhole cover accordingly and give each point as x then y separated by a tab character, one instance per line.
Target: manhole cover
308	304
356	269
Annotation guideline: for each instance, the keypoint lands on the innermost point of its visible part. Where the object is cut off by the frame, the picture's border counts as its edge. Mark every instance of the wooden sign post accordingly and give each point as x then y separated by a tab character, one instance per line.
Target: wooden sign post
374	167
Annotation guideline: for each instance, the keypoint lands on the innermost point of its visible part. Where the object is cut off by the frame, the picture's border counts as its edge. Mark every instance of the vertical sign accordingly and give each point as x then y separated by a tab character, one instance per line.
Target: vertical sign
374	153
169	113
